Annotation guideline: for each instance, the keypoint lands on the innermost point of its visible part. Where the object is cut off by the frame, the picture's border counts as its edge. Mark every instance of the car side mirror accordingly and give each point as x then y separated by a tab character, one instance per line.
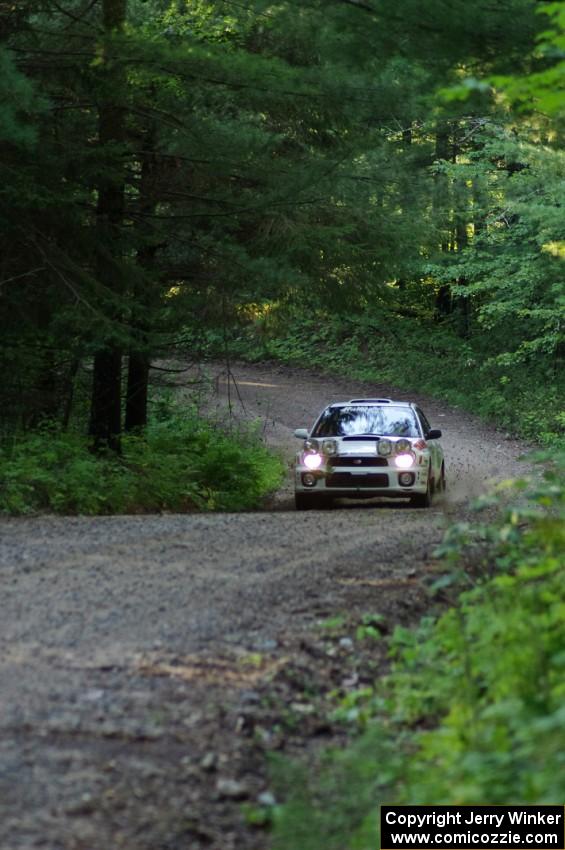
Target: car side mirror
434	434
301	433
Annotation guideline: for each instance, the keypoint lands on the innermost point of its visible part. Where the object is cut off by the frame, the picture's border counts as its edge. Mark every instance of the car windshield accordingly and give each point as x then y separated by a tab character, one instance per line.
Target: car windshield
355	420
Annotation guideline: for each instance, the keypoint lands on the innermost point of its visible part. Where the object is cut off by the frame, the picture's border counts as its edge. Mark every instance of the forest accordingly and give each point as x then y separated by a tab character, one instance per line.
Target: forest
292	180
371	190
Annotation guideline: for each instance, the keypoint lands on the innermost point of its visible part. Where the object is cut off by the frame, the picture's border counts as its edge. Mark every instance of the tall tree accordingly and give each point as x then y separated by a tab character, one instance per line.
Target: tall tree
105	411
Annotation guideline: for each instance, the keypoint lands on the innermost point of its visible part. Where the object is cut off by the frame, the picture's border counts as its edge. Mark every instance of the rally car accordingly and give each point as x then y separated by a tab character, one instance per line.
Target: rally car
369	447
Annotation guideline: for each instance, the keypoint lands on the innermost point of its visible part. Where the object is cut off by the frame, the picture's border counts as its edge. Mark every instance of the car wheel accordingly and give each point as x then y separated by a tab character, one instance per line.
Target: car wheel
442	481
308	502
423	500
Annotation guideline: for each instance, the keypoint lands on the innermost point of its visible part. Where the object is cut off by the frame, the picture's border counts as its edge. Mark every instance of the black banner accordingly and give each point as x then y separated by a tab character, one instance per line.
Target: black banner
472	827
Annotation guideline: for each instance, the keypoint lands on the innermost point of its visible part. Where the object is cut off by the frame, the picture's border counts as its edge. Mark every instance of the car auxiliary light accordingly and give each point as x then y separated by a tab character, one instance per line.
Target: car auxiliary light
384	448
402	446
308	479
313	461
406	478
404	461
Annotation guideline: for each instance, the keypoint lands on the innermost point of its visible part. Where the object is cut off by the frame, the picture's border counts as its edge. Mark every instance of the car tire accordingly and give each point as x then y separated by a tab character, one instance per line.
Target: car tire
423	500
442	481
309	501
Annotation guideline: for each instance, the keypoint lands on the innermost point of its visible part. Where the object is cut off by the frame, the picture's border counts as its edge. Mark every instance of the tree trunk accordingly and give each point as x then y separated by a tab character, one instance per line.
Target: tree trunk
143	295
462	211
105	421
105	410
443	299
137	390
70	391
480	205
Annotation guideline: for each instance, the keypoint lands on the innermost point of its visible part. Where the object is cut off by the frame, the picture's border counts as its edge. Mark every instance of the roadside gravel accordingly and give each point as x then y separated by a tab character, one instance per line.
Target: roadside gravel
148	663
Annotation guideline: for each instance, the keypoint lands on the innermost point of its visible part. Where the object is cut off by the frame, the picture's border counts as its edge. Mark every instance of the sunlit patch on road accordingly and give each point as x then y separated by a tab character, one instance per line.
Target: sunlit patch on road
246	670
248	383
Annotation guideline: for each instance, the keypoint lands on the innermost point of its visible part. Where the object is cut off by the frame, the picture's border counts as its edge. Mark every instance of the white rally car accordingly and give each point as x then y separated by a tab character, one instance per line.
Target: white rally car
369	447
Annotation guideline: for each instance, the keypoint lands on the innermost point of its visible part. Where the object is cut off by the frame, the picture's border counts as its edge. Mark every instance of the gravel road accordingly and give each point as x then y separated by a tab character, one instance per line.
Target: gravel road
132	647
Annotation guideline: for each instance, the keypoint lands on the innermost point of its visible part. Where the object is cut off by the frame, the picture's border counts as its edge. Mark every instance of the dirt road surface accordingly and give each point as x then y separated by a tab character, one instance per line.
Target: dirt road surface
148	663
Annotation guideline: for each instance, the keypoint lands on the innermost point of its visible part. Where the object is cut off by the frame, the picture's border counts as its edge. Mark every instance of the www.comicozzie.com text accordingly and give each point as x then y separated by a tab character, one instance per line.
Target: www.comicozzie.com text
484	839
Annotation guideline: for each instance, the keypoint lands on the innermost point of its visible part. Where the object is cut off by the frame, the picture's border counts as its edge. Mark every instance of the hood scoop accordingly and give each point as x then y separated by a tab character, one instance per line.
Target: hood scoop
358	446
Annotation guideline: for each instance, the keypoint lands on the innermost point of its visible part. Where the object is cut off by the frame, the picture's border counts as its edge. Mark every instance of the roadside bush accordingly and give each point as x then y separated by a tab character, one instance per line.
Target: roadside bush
472	711
181	463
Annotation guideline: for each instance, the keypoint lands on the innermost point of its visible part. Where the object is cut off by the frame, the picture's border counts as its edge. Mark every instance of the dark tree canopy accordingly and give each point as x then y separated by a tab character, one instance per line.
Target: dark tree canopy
166	164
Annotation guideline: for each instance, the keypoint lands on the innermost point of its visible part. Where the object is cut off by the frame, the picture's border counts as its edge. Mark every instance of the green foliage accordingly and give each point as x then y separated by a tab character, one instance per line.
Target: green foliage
18	102
472	711
335	624
53	471
257	816
543	88
181	463
510	279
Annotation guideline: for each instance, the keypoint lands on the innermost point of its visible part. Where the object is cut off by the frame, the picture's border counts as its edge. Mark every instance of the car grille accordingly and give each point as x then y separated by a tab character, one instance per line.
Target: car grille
346	479
356	460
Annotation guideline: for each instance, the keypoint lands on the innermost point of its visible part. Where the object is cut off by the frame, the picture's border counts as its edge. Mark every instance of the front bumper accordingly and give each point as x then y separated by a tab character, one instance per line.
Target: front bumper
350	481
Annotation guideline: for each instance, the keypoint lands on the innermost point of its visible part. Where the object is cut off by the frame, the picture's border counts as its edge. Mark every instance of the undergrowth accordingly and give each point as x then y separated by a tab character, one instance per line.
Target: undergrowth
182	462
473	710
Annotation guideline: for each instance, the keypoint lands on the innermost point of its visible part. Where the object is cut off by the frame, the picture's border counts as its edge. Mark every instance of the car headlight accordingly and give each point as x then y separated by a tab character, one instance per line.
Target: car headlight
313	461
384	448
311	445
402	446
330	447
405	461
